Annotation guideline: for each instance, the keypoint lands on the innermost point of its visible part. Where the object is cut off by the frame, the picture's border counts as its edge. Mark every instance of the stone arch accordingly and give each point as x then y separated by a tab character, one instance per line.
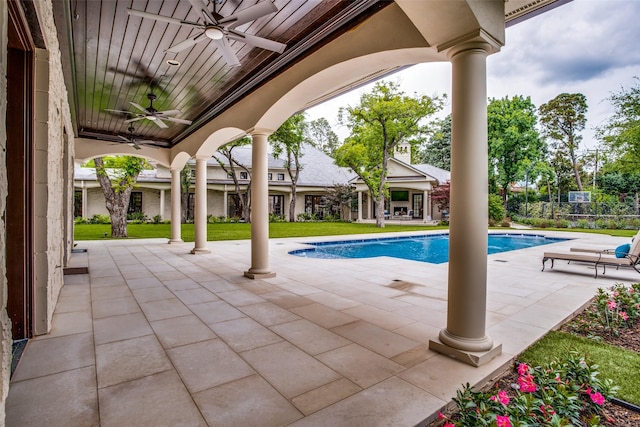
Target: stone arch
87	149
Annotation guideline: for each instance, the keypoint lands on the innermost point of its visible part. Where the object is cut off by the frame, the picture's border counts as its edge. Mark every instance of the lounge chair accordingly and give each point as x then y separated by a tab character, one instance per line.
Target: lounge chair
604	257
610	251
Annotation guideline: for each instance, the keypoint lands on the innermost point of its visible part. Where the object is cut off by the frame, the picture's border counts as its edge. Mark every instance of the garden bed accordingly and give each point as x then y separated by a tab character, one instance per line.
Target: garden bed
616	331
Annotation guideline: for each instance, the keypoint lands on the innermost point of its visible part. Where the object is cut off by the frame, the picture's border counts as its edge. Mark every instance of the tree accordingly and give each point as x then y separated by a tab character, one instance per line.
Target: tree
562	119
116	186
513	140
384	118
621	133
242	199
441	196
186	176
622	184
289	140
437	151
339	199
321	135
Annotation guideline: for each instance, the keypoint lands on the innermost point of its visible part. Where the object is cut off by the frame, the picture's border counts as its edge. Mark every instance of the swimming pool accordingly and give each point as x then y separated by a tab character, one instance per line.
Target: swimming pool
433	248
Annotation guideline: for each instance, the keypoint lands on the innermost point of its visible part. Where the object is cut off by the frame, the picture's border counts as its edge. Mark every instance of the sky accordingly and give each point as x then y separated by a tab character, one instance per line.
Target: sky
585	46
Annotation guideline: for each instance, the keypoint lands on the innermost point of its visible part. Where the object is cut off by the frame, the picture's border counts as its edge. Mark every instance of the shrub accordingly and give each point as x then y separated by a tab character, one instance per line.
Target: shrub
80	220
505	223
157	219
276	218
562	223
611	310
137	217
561	393
100	219
496	209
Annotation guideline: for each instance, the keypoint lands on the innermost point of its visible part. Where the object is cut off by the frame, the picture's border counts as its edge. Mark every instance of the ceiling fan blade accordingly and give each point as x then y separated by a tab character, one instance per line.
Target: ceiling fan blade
256	41
183	121
187	43
135	120
140	107
117	111
160	123
227	52
124	138
162	18
249	14
134	145
168	113
201	8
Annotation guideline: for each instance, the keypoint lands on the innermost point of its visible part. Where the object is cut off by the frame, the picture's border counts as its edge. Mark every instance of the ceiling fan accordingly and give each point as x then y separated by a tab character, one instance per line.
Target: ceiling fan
220	29
152	114
134	142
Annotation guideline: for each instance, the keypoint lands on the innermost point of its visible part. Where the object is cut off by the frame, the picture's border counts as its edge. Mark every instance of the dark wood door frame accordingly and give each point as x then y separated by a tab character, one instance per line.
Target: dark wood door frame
19	208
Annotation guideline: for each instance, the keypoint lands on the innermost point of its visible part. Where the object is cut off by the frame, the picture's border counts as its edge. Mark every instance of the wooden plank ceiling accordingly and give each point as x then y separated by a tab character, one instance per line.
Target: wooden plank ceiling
114	58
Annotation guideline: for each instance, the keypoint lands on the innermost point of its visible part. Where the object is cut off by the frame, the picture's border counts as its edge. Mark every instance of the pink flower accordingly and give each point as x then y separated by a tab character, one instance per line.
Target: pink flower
527	385
615	294
449	425
597	398
503	421
501	397
441	416
624	315
612	305
523	368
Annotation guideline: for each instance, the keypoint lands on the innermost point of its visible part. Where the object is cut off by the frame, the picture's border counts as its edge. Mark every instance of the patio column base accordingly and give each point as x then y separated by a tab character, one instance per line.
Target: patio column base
200	251
259	274
175	241
473	358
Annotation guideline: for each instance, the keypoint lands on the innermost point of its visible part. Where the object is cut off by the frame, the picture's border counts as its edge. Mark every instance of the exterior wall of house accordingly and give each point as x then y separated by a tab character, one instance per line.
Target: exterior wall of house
53	178
54	154
5	322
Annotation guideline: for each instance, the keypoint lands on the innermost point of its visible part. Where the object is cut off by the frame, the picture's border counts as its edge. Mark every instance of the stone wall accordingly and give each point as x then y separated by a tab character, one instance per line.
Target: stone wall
5	322
54	154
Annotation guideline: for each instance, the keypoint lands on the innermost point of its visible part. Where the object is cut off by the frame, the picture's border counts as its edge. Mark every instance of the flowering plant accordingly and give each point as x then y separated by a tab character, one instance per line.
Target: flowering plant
611	310
559	394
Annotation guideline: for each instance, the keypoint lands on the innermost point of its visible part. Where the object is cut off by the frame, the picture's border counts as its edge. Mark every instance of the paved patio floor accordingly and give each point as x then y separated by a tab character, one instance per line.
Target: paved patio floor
155	336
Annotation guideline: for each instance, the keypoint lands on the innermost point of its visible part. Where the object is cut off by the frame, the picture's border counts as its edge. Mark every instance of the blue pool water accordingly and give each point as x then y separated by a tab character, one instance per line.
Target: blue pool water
432	248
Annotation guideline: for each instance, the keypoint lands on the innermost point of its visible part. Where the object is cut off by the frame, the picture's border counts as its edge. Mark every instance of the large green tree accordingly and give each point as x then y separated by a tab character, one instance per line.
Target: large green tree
384	118
437	150
514	142
242	198
621	133
321	135
288	140
562	119
117	176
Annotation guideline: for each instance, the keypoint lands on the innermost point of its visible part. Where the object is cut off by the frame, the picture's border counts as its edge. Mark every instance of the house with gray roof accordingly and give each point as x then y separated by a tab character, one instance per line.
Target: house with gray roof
410	188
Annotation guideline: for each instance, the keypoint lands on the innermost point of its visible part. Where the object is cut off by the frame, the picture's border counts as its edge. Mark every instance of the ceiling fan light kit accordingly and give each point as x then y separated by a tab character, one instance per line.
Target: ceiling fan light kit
220	29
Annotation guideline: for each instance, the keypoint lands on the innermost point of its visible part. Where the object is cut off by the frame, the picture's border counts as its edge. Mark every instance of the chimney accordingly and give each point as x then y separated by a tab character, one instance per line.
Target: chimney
403	152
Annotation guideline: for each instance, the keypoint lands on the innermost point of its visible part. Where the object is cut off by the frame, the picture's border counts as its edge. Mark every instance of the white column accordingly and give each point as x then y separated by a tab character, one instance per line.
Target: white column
162	204
426	206
176	217
359	206
259	207
465	335
225	197
200	220
85	200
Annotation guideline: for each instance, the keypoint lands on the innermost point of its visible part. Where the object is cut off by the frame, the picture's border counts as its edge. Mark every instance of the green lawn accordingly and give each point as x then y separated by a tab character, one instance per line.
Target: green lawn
238	231
620	365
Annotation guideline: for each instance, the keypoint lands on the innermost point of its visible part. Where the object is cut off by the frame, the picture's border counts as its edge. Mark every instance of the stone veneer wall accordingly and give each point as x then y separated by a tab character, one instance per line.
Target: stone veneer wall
5	322
53	168
53	176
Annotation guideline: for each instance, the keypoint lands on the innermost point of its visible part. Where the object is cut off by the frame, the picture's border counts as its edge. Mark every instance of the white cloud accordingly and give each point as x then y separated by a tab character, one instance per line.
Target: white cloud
586	46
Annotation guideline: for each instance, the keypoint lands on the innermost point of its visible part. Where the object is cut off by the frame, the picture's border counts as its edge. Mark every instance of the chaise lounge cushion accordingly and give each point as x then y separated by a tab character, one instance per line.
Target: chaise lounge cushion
622	250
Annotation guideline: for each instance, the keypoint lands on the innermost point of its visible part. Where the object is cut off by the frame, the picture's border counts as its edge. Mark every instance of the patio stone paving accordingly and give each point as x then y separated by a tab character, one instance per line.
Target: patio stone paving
156	336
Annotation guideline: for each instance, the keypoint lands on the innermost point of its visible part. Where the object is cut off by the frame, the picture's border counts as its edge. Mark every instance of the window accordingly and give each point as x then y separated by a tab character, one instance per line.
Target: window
315	206
280	177
276	204
243	175
77	203
135	202
229	175
270	176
